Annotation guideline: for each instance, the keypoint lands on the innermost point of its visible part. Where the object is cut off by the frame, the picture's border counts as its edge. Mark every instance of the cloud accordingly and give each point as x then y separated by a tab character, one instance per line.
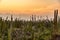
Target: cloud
0	0
59	1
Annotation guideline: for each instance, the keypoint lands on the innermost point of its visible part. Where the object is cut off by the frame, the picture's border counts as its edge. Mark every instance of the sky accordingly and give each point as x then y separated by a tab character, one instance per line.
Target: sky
39	7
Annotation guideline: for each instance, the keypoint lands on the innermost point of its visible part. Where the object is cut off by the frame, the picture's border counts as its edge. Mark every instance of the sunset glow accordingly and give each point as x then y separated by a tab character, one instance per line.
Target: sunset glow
28	6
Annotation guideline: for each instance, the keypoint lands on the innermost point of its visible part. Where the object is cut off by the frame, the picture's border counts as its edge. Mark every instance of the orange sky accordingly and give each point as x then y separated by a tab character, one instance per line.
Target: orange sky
29	6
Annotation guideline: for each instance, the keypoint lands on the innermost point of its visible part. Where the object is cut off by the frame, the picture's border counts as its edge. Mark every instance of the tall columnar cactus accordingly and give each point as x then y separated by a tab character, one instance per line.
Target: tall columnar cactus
33	17
10	30
0	28
55	29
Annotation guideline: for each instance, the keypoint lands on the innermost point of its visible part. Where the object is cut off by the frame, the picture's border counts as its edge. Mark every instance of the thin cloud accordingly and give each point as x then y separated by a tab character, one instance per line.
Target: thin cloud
0	0
59	1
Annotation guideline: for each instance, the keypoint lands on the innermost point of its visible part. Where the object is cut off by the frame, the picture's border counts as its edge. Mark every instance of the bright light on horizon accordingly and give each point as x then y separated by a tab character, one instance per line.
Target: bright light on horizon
28	6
